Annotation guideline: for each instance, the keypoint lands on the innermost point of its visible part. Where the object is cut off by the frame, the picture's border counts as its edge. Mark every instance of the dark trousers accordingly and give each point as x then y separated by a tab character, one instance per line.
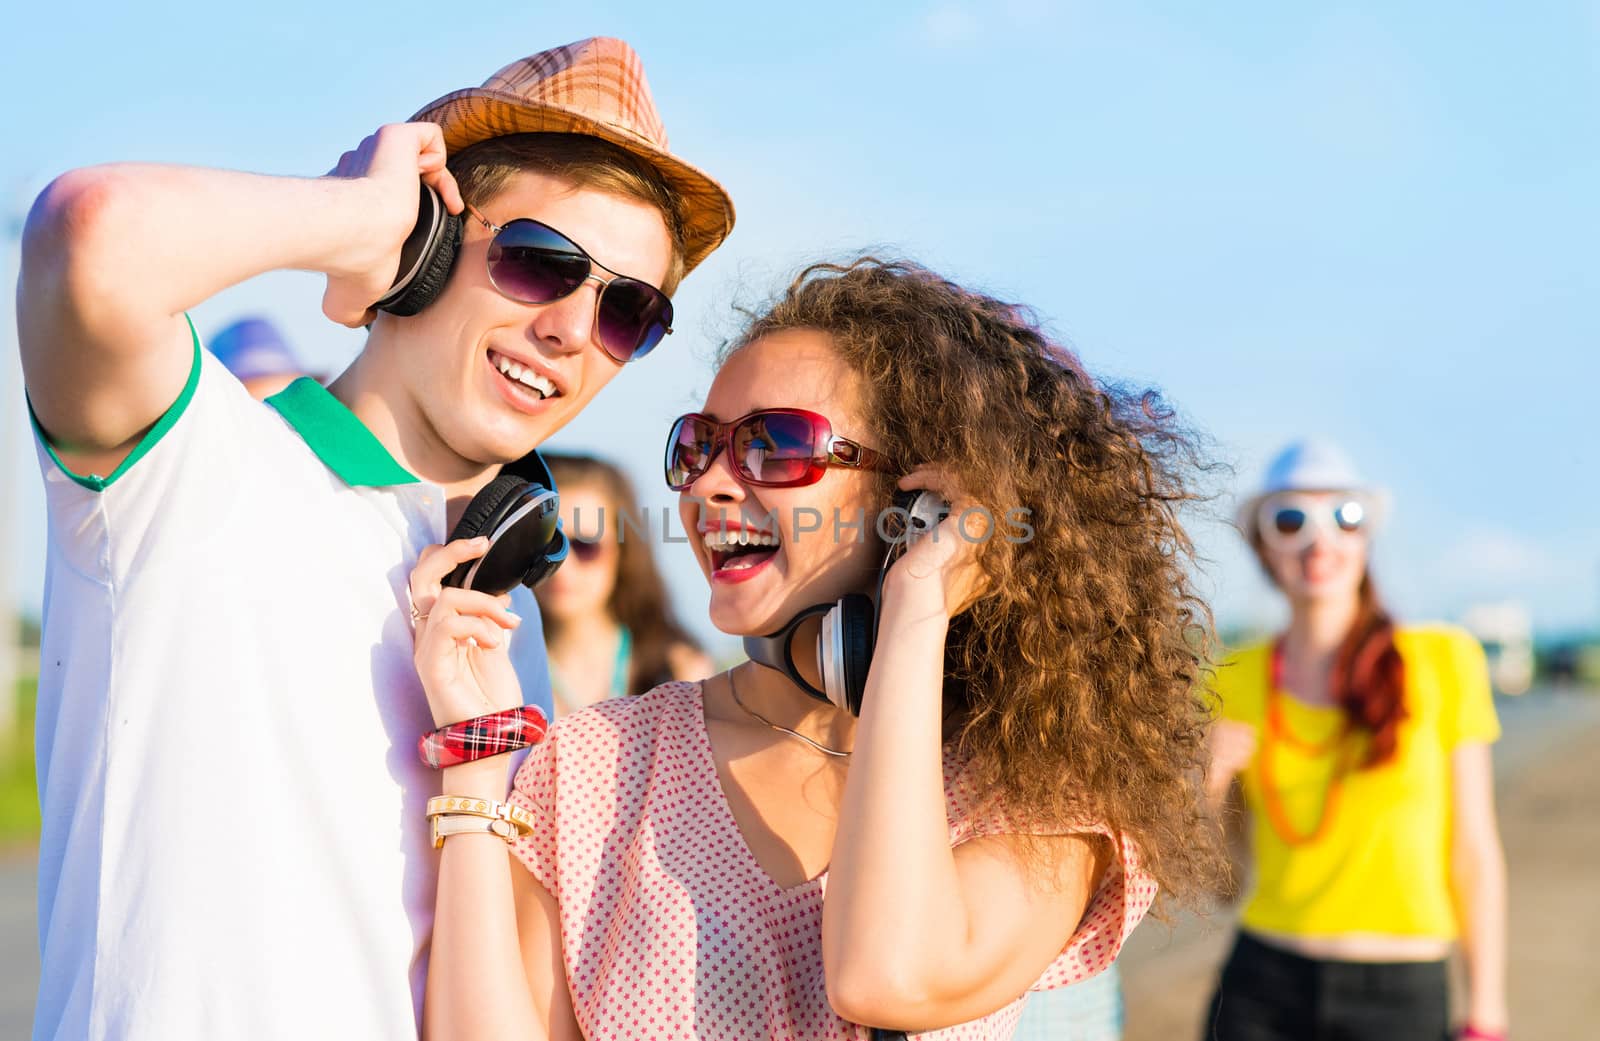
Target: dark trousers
1269	994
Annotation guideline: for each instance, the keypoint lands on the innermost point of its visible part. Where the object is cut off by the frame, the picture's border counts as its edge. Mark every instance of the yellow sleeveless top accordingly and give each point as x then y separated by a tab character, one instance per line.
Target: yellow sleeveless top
1381	862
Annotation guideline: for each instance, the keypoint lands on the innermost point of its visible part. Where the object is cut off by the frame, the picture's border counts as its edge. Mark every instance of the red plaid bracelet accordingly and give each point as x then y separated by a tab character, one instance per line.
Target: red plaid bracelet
1472	1033
484	736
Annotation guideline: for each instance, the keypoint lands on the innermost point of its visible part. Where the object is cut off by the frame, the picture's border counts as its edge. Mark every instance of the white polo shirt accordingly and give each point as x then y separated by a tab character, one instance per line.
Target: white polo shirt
233	838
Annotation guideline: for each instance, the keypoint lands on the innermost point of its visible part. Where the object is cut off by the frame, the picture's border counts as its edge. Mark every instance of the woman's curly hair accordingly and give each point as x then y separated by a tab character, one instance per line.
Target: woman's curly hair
1076	685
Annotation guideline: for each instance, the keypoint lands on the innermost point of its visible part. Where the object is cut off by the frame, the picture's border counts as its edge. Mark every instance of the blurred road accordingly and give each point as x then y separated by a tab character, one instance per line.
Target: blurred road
19	943
1547	788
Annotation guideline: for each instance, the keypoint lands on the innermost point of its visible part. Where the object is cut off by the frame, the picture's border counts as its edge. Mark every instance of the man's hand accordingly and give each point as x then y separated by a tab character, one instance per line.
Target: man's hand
388	163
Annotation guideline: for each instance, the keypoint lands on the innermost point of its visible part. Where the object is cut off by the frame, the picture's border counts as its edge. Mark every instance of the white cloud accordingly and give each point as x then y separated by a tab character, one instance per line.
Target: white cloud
954	23
950	25
1554	577
1029	12
1491	558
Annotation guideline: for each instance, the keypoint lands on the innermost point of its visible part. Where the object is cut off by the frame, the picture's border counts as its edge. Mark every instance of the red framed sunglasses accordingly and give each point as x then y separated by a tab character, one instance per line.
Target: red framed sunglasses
770	448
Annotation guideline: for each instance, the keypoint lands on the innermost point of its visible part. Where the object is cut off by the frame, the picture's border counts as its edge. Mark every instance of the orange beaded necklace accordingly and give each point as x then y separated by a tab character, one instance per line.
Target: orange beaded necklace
1277	731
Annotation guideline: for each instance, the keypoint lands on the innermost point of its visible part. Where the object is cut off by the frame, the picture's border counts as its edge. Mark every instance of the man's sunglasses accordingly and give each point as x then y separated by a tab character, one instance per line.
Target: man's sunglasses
533	263
1291	522
771	448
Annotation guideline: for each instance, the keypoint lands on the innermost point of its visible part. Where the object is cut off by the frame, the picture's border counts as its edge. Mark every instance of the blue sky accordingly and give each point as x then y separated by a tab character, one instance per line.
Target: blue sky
1372	221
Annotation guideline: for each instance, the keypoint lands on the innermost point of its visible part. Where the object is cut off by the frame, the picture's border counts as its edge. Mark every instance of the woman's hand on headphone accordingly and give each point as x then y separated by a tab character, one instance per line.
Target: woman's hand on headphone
388	164
461	638
943	565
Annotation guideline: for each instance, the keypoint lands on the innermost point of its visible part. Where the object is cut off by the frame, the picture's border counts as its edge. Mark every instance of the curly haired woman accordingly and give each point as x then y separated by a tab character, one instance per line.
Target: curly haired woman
737	858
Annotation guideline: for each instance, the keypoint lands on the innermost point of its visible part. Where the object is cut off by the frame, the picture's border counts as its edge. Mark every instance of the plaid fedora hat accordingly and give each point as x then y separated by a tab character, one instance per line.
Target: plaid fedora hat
594	87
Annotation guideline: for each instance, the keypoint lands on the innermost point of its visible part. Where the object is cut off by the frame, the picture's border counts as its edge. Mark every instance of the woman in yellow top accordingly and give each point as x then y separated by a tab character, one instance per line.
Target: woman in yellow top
1362	748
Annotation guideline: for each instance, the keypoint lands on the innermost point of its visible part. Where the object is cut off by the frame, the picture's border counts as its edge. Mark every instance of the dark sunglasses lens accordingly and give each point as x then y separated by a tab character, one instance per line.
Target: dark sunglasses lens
1289	520
634	316
535	264
690	447
584	551
775	448
1350	516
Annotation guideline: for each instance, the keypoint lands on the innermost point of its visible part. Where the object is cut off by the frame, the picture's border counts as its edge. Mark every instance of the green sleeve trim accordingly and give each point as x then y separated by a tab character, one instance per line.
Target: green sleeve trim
337	436
96	483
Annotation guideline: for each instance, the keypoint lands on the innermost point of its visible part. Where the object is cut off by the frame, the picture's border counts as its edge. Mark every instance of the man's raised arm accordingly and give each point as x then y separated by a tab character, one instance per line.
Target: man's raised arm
113	256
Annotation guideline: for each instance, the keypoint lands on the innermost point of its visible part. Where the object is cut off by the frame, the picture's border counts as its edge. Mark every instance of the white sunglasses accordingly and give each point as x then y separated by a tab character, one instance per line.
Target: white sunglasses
1292	522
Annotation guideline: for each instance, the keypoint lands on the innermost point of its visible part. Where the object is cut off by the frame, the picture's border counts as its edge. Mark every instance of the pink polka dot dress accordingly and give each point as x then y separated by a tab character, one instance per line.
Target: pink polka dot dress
670	927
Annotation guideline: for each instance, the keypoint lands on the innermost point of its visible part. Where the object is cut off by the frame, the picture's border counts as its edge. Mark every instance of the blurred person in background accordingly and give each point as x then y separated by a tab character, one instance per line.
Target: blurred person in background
1363	751
258	356
608	620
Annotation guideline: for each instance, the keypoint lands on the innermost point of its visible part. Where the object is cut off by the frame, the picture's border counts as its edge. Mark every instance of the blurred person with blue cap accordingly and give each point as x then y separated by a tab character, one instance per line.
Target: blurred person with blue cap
257	354
1361	748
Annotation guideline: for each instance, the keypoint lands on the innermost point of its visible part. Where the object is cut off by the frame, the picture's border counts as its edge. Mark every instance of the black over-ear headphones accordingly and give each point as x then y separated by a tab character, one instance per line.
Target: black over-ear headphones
425	258
849	630
518	510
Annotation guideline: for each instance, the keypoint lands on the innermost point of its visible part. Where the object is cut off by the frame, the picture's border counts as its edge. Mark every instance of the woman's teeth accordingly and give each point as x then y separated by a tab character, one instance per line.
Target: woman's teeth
743	563
527	377
738	549
719	540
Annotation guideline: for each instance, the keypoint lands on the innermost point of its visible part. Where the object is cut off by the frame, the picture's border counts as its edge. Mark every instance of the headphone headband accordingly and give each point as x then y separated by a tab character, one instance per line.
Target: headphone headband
776	650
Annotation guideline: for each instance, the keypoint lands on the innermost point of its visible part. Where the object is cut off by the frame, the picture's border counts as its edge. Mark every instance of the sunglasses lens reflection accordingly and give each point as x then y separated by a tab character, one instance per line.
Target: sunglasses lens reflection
535	264
1350	516
689	451
634	316
775	447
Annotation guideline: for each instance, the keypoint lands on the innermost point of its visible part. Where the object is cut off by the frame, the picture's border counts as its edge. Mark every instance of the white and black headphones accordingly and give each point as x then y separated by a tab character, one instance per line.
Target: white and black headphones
426	257
850	625
519	513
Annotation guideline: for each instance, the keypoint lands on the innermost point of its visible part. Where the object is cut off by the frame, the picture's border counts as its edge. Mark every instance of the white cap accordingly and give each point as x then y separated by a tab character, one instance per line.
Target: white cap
1311	465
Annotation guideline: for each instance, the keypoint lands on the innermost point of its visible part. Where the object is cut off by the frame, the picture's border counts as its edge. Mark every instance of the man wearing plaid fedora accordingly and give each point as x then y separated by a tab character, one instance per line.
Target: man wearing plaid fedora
234	842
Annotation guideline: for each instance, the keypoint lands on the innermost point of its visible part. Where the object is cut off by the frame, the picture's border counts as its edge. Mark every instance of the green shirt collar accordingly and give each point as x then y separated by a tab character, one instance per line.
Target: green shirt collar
337	437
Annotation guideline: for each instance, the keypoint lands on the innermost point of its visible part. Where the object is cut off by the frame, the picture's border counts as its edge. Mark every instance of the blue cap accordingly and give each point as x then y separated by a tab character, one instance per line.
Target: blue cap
253	347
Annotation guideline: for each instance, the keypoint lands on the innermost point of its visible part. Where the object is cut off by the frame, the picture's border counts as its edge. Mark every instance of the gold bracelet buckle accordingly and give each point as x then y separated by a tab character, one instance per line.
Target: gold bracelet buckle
518	817
446	824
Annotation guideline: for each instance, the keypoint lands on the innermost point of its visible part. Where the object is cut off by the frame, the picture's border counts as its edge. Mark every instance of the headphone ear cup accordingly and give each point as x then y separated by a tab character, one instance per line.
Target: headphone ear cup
492	505
482	512
438	256
858	622
555	554
435	271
